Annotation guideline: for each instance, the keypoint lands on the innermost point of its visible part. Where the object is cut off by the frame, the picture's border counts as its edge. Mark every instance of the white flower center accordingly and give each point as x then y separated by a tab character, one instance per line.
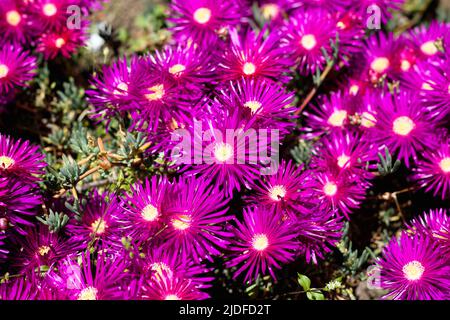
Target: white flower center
150	213
380	65
172	297
444	164
13	18
202	15
177	69
59	43
337	118
157	93
260	242
343	161
223	152
413	270
308	41
368	120
43	250
277	192
4	70
330	189
182	222
253	105
49	9
99	226
249	68
89	293
403	126
270	11
429	48
6	162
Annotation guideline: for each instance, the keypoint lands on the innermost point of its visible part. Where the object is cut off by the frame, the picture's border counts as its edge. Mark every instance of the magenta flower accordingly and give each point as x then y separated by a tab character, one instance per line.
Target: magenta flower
16	67
63	42
15	22
19	158
263	241
17	289
414	268
426	38
380	55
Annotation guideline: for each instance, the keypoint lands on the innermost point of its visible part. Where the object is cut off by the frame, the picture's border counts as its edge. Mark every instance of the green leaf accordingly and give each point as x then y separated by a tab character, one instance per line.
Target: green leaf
312	295
304	282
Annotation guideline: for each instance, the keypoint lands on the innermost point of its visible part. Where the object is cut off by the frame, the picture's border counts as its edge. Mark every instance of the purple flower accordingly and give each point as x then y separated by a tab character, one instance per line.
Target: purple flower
17	289
426	38
252	55
15	22
262	242
19	158
379	54
63	42
16	67
414	268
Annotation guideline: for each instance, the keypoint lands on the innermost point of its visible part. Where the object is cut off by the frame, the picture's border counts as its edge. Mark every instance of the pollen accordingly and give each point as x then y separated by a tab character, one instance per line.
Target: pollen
172	297
223	152
158	93
429	48
444	164
337	118
202	15
403	126
4	70
99	226
405	65
159	267
59	43
260	242
249	68
49	9
121	88
150	213
308	41
354	89
413	270
380	65
426	86
182	222
341	25
13	18
277	192
270	11
6	162
89	293
368	120
253	105
177	69
330	189
43	250
343	161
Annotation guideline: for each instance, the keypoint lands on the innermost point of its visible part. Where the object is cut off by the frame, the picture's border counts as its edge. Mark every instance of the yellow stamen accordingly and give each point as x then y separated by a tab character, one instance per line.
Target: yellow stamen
380	65
343	161
59	43
99	226
182	222
253	105
49	9
337	118
405	65
121	89
444	164
260	242
270	11
13	18
429	48
368	120
308	41
330	189
177	69
6	162
43	250
172	297
89	293
4	70
403	126
223	152
150	213
277	192
354	89
202	15
158	92
249	68
413	270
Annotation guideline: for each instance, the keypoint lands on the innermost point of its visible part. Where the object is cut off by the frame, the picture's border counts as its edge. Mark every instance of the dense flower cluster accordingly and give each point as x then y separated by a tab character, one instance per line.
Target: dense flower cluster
29	29
220	73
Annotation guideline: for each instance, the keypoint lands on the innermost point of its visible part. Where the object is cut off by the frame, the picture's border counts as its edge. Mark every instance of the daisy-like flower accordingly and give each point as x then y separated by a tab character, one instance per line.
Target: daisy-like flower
143	213
414	268
432	172
104	278
17	289
99	220
63	42
344	152
339	192
266	105
426	38
253	55
263	242
196	214
403	127
40	247
350	30
19	158
281	191
15	22
307	35
51	14
434	224
18	203
16	67
274	11
170	287
330	114
202	20
379	54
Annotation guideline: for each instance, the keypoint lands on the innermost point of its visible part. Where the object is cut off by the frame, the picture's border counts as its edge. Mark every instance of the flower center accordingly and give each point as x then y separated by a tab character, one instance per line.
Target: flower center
413	270
330	189
354	89
177	69
249	68
260	242
99	226
202	15
89	293
270	11
158	92
337	118
159	267
405	65
403	126
150	213
182	222
121	88
277	192
253	105
341	25
172	297
308	41
380	65
49	9
445	164
59	43
343	161
426	86
6	162
368	120
13	18
43	250
4	70
429	48
223	152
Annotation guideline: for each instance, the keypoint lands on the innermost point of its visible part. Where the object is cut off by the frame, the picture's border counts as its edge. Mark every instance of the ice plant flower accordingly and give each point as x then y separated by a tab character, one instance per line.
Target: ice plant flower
426	38
414	268
17	289
15	22
263	241
63	42
16	67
